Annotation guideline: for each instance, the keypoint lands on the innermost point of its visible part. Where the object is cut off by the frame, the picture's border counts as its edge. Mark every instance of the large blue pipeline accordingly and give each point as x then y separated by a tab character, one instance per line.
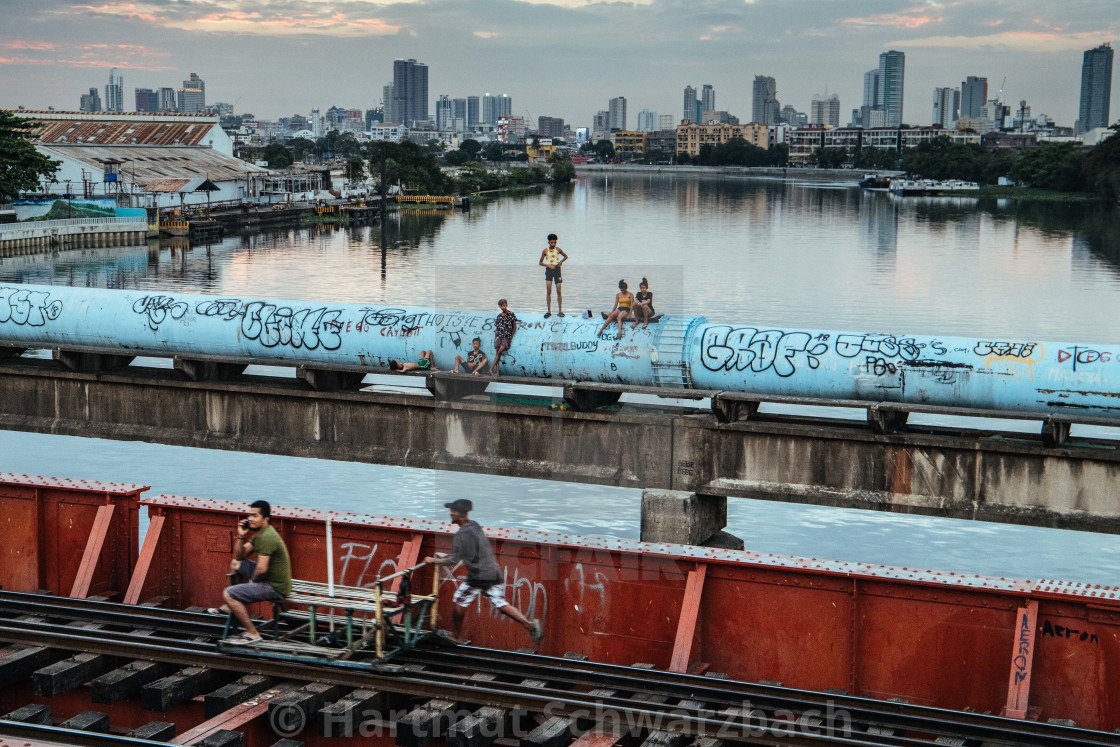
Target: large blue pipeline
994	374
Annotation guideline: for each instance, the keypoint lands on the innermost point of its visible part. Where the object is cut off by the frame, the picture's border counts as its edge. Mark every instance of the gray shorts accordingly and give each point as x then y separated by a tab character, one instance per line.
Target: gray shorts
252	591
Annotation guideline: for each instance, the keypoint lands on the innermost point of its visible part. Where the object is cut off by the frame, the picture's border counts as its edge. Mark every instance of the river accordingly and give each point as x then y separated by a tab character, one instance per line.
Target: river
793	252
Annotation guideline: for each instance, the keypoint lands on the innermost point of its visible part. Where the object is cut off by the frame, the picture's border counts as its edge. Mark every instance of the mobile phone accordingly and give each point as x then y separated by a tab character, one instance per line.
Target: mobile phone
244	523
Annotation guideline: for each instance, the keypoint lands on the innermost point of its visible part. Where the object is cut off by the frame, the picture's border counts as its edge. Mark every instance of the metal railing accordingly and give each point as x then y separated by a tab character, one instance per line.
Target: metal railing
66	222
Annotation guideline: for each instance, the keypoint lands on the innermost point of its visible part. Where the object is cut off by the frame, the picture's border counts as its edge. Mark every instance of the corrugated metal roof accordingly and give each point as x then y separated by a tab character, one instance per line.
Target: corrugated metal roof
112	132
146	165
181	185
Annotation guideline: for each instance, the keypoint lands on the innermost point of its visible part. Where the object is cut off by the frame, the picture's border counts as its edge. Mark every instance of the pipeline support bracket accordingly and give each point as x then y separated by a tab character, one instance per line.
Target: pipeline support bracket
325	380
1055	433
586	399
728	409
84	362
204	370
454	386
884	420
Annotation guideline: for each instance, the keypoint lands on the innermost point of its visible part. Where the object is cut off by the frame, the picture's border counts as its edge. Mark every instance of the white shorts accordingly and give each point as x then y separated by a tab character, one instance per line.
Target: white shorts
466	594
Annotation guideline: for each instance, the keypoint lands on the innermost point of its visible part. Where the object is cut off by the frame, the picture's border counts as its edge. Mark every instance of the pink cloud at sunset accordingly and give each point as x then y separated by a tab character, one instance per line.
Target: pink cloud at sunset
1027	41
911	19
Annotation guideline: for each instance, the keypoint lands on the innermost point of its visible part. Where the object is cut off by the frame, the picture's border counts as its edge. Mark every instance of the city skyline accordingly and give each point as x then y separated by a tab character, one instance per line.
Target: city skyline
272	63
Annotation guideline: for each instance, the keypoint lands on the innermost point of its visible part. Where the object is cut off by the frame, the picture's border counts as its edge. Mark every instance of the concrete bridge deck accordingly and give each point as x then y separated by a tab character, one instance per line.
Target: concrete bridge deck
681	446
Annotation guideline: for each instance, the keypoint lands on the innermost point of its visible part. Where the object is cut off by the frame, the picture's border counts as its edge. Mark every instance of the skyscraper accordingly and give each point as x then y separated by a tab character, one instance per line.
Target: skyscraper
147	100
387	104
825	110
665	122
617	110
892	75
196	83
459	106
974	94
489	110
707	98
167	99
765	106
946	107
689	111
91	102
1096	88
871	88
504	106
114	92
647	121
190	100
472	112
445	113
410	91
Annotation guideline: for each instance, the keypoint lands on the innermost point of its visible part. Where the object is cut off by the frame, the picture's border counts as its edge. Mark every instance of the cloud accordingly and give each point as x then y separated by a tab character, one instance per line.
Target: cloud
486	34
1024	41
32	45
341	18
907	19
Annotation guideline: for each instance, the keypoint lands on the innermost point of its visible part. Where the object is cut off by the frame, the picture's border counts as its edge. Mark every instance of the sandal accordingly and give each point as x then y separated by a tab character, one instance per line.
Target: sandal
215	611
242	640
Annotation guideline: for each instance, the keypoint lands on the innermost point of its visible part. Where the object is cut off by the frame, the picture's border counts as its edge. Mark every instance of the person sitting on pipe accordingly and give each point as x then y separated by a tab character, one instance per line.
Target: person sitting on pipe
268	579
623	303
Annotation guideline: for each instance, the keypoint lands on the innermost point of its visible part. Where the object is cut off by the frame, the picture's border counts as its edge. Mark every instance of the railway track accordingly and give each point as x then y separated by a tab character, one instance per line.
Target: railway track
658	708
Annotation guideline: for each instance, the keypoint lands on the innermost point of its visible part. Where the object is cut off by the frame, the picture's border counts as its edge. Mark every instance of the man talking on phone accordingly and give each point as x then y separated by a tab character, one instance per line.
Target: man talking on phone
268	579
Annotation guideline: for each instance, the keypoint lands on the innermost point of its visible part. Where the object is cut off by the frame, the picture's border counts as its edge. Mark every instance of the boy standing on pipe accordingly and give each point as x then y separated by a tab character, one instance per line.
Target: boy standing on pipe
552	257
484	575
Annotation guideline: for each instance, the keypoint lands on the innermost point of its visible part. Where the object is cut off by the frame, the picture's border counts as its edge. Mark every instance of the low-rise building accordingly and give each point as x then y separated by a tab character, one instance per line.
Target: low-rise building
629	144
691	137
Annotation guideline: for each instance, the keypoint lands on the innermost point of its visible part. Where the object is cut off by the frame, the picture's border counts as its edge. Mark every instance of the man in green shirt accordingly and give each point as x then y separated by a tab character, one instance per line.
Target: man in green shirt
268	579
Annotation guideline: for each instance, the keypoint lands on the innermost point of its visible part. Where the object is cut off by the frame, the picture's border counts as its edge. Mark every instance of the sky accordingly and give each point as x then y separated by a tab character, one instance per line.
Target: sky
563	58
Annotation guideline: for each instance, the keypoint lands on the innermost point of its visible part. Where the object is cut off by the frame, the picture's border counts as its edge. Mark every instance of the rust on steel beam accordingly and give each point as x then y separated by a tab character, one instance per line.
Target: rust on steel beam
93	552
1022	661
144	562
410	555
690	613
235	717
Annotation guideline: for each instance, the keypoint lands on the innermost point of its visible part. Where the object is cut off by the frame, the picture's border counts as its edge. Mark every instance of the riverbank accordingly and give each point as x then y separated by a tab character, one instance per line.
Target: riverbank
1039	195
776	172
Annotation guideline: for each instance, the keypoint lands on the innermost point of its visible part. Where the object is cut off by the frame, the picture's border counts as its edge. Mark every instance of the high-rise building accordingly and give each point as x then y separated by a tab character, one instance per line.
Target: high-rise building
665	122
410	91
825	110
871	88
387	103
689	112
315	123
617	109
892	77
190	100
792	117
445	113
707	98
167	99
647	121
550	126
974	94
472	112
1096	88
336	118
946	107
459	107
601	122
197	84
147	100
504	106
91	102
765	106
114	92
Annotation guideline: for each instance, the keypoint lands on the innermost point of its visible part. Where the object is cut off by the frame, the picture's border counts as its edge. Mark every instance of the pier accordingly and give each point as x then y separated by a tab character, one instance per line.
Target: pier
37	236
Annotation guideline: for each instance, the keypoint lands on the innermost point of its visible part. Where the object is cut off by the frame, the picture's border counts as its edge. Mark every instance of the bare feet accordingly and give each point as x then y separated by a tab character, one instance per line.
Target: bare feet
473	373
644	326
454	370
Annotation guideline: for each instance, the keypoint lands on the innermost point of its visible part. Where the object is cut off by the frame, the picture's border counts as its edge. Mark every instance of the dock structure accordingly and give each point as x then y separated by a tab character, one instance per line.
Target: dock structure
36	236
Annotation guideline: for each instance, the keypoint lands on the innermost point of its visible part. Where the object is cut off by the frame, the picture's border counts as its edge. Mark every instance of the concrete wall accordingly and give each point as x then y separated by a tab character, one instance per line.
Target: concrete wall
931	471
19	238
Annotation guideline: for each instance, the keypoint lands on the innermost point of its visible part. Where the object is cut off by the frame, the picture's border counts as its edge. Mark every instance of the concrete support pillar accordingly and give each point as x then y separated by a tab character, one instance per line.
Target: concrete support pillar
685	519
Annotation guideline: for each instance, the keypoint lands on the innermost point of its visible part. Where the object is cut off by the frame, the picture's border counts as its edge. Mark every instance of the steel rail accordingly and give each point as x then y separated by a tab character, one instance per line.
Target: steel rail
460	688
53	735
108	613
